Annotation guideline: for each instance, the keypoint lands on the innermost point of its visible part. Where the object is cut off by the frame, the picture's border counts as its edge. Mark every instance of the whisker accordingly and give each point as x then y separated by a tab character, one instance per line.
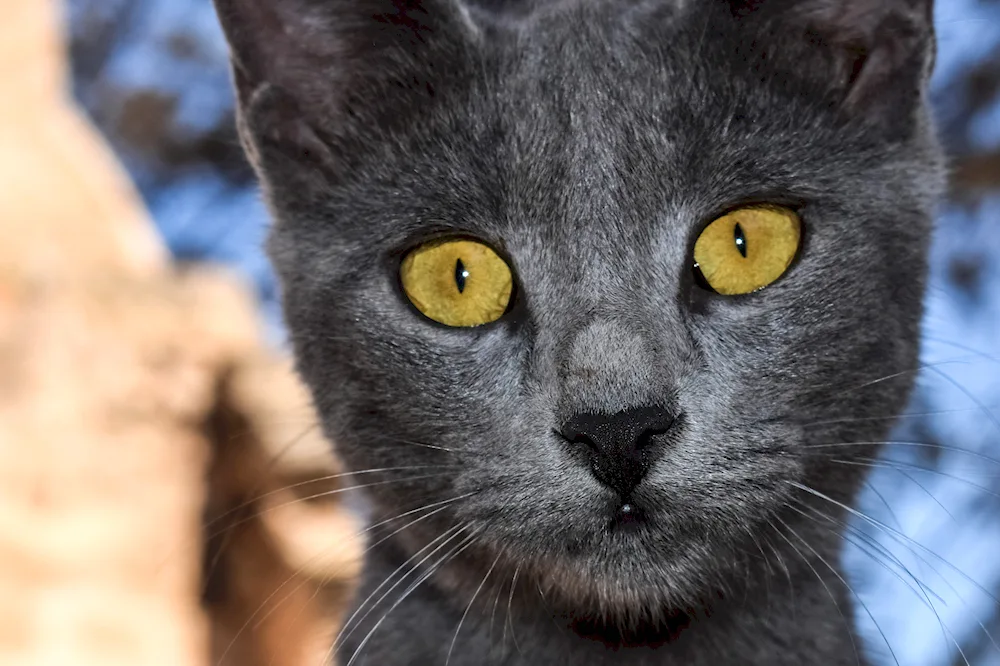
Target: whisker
327	493
319	479
782	564
346	630
924	587
923	591
851	590
545	602
957	345
896	535
968	394
455	552
437	506
877	554
885	503
875	544
211	567
927	445
507	620
767	563
922	487
895	465
932	496
440	507
458	630
493	615
836	604
889	417
239	433
885	378
413	442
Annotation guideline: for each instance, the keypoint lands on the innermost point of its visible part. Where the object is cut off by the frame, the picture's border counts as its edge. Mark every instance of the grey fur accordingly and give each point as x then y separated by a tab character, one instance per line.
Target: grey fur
590	142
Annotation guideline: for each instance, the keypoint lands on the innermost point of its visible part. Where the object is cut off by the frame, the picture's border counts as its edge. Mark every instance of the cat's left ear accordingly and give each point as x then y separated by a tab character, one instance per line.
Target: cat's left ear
883	49
308	70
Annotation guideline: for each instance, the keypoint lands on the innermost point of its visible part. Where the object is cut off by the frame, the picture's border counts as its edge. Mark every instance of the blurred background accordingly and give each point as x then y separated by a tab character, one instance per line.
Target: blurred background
152	76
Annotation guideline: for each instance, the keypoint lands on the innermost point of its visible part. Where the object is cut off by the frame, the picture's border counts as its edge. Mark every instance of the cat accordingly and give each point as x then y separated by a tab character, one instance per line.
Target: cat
589	294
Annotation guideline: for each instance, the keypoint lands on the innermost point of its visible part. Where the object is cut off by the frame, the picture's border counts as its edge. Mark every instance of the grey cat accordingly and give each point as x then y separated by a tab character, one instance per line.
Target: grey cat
630	460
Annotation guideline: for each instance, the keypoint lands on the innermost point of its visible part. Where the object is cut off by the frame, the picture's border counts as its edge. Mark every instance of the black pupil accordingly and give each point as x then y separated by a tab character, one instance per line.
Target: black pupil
460	275
741	241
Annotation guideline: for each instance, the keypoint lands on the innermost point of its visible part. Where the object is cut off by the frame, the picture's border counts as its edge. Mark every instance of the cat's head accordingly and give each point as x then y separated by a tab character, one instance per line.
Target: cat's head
615	427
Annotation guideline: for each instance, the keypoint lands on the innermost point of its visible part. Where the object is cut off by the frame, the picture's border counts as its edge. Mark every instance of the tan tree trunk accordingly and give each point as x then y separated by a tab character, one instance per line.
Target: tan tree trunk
130	408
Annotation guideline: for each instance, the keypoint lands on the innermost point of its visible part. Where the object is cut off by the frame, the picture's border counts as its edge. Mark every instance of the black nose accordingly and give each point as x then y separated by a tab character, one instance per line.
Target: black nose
622	445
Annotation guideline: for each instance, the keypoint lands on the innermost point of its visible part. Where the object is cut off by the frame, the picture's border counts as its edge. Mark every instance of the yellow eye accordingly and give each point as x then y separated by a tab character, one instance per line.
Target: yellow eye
458	283
748	249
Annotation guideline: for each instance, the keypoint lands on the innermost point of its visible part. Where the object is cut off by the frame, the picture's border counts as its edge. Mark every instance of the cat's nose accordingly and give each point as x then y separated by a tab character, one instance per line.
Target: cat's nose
622	446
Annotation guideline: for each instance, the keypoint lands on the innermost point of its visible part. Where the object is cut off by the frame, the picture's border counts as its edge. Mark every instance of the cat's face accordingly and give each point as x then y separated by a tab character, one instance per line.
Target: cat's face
590	144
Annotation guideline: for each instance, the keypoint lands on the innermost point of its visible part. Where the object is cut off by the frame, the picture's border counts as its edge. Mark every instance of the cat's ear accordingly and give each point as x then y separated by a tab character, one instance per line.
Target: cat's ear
301	66
882	48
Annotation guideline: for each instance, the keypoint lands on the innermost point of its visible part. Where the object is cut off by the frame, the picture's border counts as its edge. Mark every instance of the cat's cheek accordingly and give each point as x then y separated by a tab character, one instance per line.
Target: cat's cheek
731	459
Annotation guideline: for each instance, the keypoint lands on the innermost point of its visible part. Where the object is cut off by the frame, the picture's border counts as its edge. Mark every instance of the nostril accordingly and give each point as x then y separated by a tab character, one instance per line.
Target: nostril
628	431
646	438
576	437
585	441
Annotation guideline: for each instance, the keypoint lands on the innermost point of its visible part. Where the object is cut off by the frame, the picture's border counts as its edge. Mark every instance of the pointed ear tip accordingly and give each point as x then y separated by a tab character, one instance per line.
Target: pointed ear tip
223	8
227	12
229	6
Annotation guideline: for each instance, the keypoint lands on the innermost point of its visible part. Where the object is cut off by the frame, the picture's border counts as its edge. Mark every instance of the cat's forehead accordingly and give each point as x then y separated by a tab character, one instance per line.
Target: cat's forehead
613	101
572	130
599	123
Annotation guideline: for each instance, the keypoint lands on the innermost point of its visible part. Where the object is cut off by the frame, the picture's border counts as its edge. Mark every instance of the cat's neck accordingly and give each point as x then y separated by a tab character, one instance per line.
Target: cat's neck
782	617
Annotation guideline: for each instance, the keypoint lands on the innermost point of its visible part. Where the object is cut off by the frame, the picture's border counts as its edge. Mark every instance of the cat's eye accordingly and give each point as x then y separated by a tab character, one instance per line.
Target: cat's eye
457	282
748	249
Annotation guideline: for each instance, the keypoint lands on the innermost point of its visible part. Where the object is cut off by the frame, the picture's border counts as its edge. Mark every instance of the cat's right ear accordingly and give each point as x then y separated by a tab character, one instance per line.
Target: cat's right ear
303	68
882	51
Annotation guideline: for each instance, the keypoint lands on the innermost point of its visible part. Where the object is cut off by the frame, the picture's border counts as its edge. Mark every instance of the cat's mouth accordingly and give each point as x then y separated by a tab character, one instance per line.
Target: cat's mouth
628	515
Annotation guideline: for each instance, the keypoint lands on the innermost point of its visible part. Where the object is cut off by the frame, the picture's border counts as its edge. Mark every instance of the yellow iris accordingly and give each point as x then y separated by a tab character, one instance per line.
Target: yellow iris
458	283
748	249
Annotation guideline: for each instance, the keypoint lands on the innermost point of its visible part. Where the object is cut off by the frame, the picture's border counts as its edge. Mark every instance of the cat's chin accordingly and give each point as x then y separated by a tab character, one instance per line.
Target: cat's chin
628	579
627	598
642	558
